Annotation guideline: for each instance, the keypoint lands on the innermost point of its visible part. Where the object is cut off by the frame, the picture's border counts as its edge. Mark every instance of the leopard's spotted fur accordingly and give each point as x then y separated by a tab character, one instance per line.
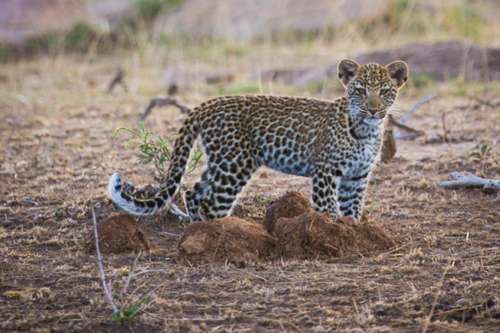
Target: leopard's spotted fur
334	142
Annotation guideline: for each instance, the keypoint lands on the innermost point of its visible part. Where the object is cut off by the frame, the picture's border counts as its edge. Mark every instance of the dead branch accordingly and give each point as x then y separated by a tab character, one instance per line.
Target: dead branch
164	101
105	286
118	79
469	180
424	100
446	131
172	89
389	148
412	133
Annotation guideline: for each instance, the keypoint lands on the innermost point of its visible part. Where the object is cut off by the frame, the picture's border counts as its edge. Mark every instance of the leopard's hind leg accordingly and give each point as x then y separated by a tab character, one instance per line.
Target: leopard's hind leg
194	197
228	179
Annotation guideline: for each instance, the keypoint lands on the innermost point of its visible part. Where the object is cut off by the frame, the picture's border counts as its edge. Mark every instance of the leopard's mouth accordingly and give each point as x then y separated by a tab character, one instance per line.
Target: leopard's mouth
372	120
373	116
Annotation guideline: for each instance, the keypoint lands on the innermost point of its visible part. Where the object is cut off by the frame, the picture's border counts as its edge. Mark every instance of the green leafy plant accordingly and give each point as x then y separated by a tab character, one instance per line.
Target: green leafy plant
80	36
149	9
481	152
126	314
463	19
421	80
155	149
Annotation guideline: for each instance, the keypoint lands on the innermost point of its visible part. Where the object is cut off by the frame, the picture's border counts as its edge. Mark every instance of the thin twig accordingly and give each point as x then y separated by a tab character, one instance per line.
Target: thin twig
170	234
413	133
164	101
444	127
105	286
257	276
424	100
436	296
131	273
400	124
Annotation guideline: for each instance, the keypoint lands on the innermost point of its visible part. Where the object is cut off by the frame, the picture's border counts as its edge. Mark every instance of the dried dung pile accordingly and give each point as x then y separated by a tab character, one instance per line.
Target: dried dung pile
314	234
304	233
290	205
291	230
227	239
118	234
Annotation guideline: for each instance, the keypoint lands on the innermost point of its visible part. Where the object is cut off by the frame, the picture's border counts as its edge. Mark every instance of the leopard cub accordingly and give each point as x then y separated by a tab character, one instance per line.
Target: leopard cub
336	143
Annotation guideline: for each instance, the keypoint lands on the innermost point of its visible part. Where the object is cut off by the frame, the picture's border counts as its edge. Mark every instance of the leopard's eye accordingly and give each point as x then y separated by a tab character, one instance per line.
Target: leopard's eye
358	87
385	88
361	91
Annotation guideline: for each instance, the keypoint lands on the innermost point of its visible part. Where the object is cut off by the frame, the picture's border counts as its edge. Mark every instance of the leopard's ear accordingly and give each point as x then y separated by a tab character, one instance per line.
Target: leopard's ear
398	72
347	70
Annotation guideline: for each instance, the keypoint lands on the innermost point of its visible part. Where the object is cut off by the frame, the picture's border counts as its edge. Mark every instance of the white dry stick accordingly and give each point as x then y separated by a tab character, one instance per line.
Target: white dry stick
424	100
107	290
130	273
400	126
469	180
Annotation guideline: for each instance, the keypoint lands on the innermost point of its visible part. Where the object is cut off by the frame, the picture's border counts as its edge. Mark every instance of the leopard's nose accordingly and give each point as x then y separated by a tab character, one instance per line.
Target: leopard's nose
373	104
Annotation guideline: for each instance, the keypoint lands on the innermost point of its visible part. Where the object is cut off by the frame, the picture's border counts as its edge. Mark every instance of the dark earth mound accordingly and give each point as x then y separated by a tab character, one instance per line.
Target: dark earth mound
314	234
229	239
290	205
294	230
118	234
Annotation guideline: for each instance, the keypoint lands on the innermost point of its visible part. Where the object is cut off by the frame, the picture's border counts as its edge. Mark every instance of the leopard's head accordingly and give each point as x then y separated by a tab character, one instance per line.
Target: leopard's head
372	88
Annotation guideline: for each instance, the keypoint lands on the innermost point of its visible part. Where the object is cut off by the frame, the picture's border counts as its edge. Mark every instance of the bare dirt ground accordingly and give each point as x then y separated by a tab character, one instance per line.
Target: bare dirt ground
57	153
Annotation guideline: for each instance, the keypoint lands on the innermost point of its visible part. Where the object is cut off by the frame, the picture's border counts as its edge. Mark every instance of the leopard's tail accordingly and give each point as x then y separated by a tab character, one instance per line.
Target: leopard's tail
142	203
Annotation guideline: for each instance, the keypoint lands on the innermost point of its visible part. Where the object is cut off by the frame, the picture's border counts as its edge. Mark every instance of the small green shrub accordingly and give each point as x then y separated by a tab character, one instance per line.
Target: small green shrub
155	149
126	314
464	20
421	80
149	9
80	36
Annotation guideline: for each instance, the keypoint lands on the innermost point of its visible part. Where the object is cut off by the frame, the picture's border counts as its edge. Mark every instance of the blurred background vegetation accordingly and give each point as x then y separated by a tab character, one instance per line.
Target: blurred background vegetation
31	27
247	46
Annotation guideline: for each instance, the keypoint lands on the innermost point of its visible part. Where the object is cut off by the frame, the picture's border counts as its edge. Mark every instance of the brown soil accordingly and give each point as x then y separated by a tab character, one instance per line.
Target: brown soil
118	234
312	235
290	205
229	239
57	153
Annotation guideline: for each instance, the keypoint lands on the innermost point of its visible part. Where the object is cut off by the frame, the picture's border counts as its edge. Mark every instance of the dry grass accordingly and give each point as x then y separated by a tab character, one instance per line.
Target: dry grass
57	155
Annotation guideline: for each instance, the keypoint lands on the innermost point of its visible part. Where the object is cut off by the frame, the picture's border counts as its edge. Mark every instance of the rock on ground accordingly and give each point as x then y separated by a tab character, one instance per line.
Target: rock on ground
118	234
